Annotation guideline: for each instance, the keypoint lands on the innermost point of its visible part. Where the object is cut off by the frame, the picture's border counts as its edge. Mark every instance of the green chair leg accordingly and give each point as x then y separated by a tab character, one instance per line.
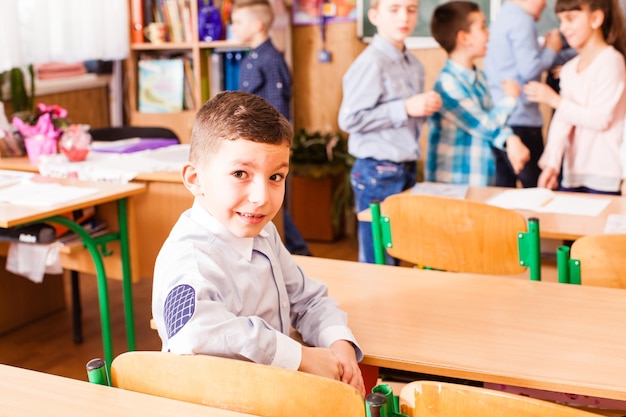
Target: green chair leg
568	269
529	245
377	235
97	372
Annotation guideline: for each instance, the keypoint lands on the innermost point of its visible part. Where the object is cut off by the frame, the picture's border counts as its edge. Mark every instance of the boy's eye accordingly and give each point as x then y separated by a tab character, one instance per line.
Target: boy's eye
239	174
277	177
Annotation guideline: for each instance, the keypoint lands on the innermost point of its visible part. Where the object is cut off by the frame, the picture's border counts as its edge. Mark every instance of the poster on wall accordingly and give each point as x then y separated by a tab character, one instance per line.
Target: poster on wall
309	12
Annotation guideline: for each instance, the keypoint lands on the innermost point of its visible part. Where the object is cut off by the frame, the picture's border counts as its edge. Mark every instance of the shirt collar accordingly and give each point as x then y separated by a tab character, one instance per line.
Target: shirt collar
242	245
264	45
387	48
469	75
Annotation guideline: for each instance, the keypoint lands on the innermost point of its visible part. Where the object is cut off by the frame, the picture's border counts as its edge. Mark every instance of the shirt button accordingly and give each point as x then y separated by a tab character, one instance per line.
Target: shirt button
245	83
254	55
285	305
249	66
279	85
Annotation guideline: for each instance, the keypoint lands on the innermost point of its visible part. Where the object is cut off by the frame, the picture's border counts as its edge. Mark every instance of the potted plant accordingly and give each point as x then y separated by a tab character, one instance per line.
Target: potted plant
321	193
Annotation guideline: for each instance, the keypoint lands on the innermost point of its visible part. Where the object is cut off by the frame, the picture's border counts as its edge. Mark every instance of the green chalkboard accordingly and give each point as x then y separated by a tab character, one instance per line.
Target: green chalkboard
365	29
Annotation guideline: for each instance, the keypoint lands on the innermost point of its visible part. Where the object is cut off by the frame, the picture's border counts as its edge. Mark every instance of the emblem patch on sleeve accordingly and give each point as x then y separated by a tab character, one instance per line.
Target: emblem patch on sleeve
179	307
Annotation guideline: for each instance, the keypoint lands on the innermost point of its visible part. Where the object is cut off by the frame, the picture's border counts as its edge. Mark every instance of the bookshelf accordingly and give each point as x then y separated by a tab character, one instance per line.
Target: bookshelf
198	75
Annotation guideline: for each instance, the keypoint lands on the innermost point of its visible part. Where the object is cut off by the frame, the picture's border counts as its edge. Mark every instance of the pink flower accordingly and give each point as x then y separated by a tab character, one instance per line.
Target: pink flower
46	120
43	126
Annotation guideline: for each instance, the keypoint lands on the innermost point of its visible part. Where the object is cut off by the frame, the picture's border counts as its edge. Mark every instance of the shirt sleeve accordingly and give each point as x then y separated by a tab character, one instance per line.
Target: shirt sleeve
468	114
315	315
531	59
362	109
597	112
558	136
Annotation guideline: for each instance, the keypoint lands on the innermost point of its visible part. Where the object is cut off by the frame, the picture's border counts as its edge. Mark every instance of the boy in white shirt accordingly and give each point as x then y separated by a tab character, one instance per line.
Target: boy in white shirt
224	284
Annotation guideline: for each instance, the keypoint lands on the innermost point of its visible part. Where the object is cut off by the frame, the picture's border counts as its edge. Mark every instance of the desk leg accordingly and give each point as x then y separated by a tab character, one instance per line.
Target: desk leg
370	376
127	287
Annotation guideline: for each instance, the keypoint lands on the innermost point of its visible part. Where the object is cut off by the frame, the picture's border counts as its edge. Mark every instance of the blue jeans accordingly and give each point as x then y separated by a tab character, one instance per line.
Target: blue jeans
372	181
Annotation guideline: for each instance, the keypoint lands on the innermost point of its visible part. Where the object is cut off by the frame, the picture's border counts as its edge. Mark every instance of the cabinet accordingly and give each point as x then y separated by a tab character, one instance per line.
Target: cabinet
197	53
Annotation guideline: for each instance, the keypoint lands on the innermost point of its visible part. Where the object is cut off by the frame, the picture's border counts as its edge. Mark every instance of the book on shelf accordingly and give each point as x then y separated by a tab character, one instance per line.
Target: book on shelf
232	66
161	85
189	99
216	78
136	21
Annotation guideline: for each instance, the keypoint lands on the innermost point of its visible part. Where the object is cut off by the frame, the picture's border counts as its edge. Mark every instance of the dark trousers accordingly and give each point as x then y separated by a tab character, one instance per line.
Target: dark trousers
532	137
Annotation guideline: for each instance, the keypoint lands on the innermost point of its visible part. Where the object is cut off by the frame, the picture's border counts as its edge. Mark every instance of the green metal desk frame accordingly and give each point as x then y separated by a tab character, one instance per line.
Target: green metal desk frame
97	249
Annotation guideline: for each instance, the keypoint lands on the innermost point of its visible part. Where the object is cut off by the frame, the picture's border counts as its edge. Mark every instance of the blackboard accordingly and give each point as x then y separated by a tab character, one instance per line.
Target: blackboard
365	29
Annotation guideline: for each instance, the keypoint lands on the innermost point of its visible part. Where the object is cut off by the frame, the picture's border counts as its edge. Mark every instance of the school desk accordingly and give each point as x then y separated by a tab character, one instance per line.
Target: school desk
557	337
12	214
30	393
551	225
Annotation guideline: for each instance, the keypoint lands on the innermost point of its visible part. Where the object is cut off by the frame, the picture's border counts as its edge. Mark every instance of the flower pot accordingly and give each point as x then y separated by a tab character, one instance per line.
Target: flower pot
312	207
40	145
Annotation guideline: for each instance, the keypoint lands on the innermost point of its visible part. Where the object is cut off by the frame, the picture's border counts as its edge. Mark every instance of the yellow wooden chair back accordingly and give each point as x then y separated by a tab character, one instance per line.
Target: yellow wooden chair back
231	384
454	235
602	260
438	399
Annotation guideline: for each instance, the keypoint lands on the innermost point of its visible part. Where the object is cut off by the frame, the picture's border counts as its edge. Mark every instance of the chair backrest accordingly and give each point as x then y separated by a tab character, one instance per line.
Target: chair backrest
127	132
436	399
235	385
602	260
453	234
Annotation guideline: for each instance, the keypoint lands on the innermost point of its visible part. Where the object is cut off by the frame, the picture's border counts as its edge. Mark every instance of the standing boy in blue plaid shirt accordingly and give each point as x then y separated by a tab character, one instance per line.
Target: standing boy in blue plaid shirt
463	133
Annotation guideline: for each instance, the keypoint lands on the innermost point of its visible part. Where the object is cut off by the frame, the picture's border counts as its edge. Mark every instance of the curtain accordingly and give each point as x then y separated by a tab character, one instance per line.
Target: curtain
42	31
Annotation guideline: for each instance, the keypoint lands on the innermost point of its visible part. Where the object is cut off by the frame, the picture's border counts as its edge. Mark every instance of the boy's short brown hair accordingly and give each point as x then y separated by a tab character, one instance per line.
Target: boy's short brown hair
262	10
449	19
234	115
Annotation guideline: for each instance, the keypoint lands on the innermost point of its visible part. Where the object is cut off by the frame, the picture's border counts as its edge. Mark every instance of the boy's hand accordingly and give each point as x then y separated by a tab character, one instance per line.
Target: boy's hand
423	104
548	179
553	40
511	88
344	351
517	153
542	93
320	361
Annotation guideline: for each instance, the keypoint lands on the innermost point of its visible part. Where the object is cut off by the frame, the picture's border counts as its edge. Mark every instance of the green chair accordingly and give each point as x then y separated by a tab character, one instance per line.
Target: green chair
597	260
455	235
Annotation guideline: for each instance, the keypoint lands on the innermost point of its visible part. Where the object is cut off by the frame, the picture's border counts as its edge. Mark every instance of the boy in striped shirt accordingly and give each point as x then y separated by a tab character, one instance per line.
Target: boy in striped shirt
463	133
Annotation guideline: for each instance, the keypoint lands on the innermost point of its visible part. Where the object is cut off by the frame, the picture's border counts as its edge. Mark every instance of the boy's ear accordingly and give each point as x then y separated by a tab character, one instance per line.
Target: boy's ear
461	37
372	15
191	179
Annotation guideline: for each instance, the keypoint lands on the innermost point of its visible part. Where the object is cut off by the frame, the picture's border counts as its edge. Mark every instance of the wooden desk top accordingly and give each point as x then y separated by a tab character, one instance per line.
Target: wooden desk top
543	335
30	393
551	225
14	215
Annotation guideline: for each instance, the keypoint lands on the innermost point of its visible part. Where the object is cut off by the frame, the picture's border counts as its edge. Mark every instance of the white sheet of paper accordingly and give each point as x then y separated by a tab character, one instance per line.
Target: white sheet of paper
441	189
522	199
29	193
615	223
581	206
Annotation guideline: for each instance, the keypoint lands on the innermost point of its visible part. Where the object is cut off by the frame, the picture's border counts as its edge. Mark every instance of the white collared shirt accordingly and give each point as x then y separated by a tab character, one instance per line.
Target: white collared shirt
218	294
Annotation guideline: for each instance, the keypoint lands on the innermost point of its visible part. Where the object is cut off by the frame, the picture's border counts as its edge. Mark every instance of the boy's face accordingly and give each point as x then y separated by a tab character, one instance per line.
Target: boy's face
242	184
394	20
478	35
244	26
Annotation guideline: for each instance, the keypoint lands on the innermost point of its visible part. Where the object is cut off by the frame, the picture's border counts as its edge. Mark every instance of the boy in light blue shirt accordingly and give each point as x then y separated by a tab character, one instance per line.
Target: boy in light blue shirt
464	132
383	108
513	52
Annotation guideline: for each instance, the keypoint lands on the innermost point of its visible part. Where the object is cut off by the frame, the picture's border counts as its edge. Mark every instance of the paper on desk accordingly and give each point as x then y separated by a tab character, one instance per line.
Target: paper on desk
547	201
615	223
441	189
522	199
580	206
30	193
8	177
